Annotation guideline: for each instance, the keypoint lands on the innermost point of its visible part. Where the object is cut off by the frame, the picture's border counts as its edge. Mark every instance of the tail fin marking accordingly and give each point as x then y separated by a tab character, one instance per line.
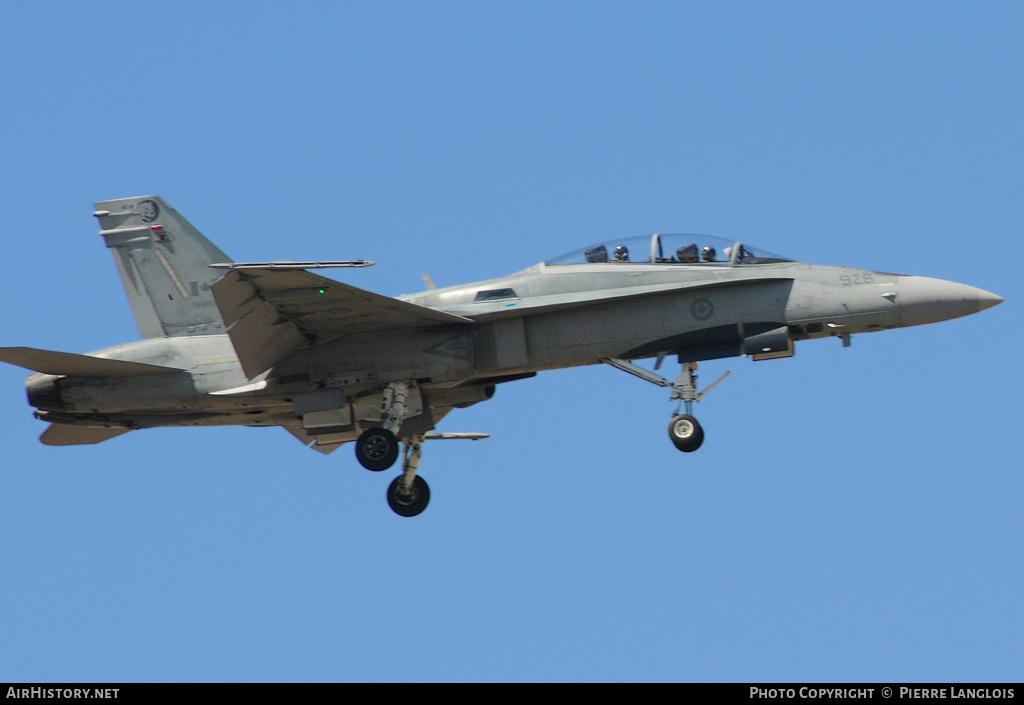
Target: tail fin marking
164	265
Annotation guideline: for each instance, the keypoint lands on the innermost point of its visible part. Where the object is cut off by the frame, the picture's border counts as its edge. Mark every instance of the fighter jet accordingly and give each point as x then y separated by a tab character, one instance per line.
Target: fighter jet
273	344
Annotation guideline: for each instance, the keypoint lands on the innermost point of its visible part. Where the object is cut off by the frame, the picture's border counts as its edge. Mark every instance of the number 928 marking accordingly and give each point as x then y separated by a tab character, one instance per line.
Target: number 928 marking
856	279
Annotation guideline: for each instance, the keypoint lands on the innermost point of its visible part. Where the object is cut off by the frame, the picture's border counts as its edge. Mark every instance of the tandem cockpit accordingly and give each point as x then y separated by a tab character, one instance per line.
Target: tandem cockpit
669	249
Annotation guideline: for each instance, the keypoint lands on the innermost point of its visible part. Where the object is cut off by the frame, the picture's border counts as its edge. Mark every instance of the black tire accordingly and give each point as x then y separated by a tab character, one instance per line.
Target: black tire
686	433
377	449
408	505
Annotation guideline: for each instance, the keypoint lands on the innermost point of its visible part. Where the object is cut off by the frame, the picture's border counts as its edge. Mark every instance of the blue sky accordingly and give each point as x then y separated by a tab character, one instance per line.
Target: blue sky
853	515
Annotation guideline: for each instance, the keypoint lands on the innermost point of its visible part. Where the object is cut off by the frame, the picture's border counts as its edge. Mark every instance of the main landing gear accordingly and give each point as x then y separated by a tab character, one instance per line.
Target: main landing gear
409	493
684	430
378	448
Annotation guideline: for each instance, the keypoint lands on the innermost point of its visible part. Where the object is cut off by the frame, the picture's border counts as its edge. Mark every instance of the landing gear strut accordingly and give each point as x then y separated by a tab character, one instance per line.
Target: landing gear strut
409	493
684	430
378	448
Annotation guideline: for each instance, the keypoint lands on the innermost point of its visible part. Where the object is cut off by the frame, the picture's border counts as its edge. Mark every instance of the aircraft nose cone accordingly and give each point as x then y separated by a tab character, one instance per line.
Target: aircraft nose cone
987	299
923	300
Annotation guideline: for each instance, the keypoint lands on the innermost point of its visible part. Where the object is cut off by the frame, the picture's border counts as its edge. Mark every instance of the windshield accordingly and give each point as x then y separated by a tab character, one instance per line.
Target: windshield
669	249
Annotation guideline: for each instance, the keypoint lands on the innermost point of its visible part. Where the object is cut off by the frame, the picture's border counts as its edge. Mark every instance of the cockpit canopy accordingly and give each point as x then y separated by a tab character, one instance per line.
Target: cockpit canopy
669	249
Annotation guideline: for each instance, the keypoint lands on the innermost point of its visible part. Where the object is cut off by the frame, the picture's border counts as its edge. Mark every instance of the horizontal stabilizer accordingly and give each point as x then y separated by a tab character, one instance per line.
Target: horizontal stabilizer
59	434
271	312
62	363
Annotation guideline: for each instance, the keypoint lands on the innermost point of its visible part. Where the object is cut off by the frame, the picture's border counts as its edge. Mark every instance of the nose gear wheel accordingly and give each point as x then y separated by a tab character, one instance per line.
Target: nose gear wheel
686	433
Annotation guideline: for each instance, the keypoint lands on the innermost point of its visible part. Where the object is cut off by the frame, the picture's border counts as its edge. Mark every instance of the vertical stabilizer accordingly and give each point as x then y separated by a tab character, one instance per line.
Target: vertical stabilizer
164	265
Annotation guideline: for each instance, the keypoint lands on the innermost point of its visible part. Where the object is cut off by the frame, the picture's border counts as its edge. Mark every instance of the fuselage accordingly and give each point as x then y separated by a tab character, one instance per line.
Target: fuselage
543	318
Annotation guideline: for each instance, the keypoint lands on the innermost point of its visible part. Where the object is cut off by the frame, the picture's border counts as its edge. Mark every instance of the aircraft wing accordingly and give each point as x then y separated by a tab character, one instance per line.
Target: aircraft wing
271	312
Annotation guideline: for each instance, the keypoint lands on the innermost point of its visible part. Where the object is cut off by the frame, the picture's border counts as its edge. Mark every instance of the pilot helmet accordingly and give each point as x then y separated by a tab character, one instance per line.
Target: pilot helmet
708	253
621	252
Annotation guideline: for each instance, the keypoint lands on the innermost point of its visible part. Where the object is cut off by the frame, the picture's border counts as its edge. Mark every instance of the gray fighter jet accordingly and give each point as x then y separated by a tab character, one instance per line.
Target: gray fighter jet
271	344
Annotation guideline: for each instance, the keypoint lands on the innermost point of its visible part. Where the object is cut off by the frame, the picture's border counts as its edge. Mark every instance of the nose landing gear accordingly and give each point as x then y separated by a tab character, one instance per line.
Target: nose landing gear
684	430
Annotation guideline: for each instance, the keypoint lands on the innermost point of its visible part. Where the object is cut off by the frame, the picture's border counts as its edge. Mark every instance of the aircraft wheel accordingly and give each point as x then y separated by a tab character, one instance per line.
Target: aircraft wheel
377	449
686	433
412	503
